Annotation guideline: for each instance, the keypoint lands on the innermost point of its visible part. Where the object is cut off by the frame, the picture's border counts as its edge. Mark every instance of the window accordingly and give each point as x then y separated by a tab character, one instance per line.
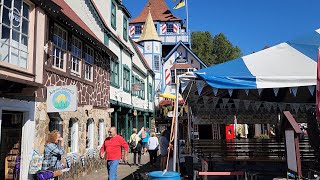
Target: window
125	28
60	46
132	82
126	79
150	93
142	89
73	136
170	28
56	124
88	66
14	32
76	55
137	29
90	134
106	39
156	60
137	81
176	73
113	15
101	131
114	73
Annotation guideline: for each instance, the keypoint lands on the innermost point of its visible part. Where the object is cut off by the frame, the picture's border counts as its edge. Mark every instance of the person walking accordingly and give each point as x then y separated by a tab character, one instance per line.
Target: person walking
164	144
135	146
111	150
53	150
145	137
153	146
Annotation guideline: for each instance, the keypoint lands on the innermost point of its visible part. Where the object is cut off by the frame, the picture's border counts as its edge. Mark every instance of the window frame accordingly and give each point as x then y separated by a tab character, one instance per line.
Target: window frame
88	66
14	46
142	89
73	56
138	29
150	92
125	28
74	138
126	79
90	133
101	132
170	28
156	62
115	80
58	50
113	15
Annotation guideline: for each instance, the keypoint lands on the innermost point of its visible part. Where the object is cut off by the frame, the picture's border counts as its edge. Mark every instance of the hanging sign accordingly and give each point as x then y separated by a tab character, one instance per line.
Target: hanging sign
62	98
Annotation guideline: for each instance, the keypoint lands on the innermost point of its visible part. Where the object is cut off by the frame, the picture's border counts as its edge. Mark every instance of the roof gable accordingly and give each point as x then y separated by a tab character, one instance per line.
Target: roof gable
180	43
159	11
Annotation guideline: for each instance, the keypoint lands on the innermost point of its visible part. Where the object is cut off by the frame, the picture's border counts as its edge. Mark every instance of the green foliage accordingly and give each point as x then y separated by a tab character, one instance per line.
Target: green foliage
213	50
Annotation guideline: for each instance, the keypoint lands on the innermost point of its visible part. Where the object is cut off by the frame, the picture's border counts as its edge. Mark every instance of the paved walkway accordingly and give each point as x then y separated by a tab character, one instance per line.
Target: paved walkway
125	171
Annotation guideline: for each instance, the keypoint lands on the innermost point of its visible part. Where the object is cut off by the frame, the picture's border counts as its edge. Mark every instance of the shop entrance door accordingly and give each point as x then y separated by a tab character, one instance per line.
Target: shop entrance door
11	129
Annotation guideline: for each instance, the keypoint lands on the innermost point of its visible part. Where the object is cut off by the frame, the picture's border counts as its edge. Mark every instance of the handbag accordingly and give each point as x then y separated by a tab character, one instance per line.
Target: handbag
35	162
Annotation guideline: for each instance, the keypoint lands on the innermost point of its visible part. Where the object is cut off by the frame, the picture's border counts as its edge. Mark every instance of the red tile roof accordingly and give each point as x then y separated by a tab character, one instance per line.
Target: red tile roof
182	66
66	10
159	12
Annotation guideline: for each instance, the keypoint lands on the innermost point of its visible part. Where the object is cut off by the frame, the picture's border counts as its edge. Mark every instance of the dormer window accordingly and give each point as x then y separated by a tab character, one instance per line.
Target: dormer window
170	28
137	29
113	15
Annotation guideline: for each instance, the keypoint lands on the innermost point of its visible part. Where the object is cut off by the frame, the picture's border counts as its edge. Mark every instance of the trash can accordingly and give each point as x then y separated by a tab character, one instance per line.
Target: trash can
157	175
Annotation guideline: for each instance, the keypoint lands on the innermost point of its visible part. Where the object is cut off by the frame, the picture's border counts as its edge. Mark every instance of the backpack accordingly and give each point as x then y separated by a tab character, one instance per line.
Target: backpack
133	144
143	135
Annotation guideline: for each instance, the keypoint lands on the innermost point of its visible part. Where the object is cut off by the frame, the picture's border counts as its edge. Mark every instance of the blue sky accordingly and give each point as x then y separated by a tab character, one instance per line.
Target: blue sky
249	24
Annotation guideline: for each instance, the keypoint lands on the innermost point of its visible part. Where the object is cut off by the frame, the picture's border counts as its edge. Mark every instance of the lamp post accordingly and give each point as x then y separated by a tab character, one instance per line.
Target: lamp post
188	75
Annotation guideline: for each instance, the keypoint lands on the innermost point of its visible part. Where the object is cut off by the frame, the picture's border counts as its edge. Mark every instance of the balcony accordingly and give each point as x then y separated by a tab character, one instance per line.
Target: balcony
169	39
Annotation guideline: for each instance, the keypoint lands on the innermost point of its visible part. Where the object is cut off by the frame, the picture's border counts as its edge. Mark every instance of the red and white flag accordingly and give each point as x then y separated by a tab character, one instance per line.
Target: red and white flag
318	87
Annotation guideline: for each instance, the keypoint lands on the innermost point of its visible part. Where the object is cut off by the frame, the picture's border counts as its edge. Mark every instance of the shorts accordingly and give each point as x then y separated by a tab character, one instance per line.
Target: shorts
145	145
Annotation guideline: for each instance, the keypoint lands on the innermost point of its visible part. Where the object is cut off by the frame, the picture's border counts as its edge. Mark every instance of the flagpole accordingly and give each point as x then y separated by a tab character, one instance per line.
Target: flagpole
187	24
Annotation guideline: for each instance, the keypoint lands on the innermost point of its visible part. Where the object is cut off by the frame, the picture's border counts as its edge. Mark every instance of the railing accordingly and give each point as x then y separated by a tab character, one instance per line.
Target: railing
248	150
170	38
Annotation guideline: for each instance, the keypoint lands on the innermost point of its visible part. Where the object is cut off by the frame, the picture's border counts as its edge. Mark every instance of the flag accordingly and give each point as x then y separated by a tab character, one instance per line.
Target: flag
318	88
180	4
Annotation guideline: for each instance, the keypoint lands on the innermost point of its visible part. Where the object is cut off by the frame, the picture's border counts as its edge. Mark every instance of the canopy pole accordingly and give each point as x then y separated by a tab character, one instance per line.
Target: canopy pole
176	125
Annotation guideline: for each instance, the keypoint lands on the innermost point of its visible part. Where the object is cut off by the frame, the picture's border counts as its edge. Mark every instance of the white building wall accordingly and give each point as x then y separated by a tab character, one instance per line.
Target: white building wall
81	8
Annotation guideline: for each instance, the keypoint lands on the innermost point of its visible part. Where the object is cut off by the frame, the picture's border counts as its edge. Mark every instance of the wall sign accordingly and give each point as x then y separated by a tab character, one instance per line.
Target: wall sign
62	98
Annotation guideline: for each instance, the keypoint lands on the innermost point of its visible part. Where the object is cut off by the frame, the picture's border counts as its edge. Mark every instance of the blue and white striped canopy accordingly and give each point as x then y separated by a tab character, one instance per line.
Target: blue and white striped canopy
289	64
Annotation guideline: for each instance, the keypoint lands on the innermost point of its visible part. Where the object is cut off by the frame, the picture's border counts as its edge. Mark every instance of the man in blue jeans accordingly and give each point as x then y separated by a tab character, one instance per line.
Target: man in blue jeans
111	150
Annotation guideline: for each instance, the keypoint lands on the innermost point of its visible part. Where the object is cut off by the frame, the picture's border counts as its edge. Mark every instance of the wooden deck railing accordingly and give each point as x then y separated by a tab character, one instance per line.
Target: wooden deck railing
248	150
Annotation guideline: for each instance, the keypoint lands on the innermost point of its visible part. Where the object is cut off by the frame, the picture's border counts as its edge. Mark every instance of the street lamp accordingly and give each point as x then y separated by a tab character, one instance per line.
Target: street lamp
185	76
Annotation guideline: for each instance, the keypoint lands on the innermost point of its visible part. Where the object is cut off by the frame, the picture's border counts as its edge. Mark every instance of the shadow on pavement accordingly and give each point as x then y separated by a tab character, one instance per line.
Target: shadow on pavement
143	171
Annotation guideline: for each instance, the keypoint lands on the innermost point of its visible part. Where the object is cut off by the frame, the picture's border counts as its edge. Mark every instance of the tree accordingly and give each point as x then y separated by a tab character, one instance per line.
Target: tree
213	50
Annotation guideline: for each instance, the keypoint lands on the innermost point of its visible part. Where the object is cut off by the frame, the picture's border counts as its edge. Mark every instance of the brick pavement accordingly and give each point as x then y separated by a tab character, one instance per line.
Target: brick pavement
125	171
